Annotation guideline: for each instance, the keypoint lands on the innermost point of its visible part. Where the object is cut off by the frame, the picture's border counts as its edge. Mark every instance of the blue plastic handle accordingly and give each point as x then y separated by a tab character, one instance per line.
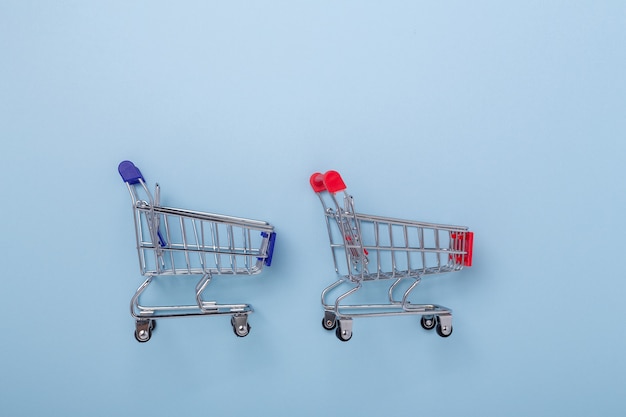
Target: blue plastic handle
129	172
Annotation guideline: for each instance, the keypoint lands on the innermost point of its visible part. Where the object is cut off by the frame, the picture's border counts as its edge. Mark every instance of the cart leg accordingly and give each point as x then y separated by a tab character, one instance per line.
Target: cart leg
240	324
204	306
327	289
391	289
405	297
329	321
344	295
344	330
135	309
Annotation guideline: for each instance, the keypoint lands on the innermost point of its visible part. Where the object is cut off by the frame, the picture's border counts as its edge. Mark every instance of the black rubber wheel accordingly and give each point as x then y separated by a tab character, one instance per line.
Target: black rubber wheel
242	335
340	336
428	323
326	326
440	331
152	325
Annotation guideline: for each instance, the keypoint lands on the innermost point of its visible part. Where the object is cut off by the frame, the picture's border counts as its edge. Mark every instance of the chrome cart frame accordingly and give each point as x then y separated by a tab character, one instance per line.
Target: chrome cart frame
369	248
172	241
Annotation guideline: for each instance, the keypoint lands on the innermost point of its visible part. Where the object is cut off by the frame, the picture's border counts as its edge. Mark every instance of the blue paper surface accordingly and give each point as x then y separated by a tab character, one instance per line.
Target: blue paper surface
507	117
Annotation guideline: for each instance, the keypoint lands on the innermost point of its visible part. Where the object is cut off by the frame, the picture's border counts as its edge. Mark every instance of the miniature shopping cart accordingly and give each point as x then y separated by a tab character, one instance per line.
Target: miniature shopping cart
173	241
370	248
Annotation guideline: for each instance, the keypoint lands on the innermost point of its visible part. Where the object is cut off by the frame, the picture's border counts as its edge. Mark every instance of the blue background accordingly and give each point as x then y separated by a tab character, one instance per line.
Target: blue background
507	117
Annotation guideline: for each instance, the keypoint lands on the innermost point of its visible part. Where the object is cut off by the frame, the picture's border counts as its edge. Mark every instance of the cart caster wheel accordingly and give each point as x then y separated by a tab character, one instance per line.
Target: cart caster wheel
428	322
143	330
443	331
344	335
329	324
242	331
142	336
240	324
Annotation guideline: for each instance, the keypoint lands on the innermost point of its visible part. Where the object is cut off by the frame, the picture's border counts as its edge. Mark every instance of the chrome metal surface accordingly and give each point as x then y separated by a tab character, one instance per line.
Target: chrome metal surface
173	241
369	248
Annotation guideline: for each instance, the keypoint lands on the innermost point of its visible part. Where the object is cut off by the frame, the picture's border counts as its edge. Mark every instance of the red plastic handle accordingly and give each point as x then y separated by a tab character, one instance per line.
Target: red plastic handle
317	182
334	182
331	181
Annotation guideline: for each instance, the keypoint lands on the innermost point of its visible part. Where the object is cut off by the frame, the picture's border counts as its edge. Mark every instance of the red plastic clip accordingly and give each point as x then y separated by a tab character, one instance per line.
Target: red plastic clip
469	247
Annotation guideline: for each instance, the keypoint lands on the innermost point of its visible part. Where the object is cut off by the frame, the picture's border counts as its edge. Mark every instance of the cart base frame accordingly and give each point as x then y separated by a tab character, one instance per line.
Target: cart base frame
146	316
339	316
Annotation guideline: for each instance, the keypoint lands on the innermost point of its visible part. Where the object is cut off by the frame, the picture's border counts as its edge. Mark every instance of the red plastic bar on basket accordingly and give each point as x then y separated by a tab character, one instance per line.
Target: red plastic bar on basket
463	240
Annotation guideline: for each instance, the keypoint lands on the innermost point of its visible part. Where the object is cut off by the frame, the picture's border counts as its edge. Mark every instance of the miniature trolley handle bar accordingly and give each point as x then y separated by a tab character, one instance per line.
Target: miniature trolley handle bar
131	175
129	172
331	181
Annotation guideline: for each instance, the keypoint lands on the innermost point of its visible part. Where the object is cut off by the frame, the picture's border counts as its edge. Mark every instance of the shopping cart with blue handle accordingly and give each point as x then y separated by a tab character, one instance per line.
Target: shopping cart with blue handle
172	241
369	248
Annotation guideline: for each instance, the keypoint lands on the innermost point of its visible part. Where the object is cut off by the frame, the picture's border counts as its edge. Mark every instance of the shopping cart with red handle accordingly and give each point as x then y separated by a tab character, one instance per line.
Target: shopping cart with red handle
173	241
369	248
